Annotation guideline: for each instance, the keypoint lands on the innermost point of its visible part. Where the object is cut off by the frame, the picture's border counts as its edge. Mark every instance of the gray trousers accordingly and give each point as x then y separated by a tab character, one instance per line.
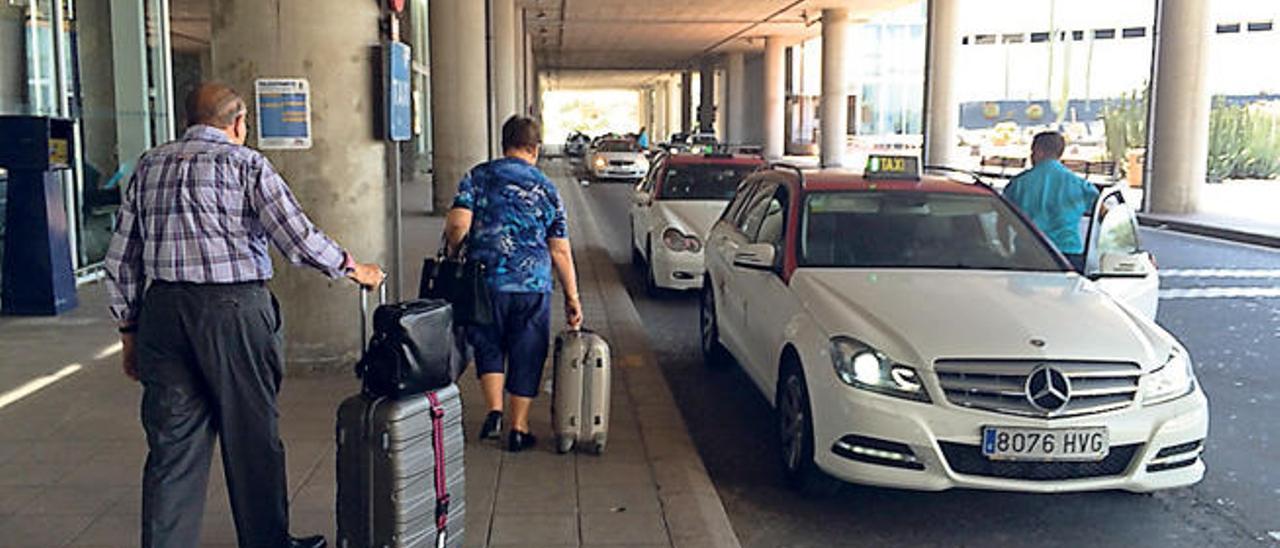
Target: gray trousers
210	359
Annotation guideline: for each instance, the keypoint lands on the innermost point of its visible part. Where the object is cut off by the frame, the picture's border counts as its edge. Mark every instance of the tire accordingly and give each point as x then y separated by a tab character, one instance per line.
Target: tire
637	260
650	282
714	354
795	436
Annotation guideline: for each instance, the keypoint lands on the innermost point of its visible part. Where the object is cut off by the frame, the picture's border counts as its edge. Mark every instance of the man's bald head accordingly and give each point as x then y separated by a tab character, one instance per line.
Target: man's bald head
214	104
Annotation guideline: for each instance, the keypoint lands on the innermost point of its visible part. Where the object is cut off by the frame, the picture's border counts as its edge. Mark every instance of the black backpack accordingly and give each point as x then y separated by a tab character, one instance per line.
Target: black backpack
414	349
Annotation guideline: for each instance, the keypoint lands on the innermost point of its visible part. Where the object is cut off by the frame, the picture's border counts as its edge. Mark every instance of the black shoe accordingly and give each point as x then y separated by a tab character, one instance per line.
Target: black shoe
519	441
308	542
492	427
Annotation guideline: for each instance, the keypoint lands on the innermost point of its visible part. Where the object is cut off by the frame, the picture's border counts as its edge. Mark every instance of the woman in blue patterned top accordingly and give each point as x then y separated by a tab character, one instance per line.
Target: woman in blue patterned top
513	221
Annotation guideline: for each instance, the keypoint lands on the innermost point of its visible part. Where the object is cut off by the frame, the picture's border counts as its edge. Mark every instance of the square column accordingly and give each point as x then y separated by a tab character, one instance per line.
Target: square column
735	98
774	97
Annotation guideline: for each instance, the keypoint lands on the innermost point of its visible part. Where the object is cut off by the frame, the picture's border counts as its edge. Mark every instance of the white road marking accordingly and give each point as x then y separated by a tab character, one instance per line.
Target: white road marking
1221	293
35	385
109	351
1220	273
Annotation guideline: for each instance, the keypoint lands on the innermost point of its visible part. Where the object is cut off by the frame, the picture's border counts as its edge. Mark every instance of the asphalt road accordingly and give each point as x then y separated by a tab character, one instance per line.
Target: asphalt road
1234	340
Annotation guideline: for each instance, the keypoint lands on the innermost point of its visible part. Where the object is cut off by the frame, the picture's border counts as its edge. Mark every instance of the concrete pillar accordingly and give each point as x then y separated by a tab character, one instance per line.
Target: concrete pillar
774	98
458	103
1178	142
686	102
502	19
341	181
835	104
941	111
519	68
707	101
675	119
735	98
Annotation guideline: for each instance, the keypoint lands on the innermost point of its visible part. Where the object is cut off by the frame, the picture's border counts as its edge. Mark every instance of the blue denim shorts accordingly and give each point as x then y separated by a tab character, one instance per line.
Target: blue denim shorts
518	338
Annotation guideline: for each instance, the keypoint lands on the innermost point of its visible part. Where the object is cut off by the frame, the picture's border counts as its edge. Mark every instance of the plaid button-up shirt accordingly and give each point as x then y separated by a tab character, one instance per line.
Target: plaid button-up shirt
202	209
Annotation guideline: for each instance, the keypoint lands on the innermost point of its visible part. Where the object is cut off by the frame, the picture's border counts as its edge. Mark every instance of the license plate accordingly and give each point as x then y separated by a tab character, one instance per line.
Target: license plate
1038	444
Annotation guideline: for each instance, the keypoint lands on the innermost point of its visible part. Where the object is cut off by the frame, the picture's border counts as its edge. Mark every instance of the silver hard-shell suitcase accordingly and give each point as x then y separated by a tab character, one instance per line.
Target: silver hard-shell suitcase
388	450
581	379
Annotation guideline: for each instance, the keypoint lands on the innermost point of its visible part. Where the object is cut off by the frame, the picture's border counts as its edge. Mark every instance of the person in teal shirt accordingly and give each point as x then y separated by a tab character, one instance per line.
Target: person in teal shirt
1053	197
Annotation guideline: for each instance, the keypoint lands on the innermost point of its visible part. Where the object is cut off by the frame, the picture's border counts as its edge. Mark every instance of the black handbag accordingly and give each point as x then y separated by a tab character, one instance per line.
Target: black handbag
460	281
414	349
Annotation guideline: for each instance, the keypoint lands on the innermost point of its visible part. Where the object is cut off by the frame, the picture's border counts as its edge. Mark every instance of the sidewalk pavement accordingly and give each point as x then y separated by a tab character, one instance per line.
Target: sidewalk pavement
71	453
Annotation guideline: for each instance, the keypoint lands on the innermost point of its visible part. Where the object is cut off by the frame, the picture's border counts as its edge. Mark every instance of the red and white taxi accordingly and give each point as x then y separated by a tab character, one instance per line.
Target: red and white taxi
918	332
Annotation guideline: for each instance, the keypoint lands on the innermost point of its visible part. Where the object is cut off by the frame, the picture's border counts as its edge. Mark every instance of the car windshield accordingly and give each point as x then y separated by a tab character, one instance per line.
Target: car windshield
875	229
617	146
702	182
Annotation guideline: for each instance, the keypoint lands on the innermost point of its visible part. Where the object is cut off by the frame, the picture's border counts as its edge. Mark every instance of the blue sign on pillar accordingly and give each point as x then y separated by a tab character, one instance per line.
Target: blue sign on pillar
399	92
284	113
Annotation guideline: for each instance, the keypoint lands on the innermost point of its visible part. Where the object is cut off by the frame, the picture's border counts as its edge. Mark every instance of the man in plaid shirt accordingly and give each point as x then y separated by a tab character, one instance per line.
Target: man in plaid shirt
195	223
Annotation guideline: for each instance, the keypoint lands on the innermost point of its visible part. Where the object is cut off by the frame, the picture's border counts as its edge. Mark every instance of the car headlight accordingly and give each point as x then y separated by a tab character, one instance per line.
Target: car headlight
679	241
599	162
1170	381
861	366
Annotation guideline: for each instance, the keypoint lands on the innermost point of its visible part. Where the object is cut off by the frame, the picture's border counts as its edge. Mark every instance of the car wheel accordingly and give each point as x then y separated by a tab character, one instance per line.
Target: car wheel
795	436
637	260
650	281
713	353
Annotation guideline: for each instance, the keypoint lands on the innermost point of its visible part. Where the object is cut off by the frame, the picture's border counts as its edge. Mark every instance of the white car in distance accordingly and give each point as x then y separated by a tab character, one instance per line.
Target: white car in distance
617	159
917	332
672	209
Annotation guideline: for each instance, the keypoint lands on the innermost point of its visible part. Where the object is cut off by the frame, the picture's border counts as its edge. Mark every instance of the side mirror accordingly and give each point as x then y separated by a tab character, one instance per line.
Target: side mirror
756	257
1124	265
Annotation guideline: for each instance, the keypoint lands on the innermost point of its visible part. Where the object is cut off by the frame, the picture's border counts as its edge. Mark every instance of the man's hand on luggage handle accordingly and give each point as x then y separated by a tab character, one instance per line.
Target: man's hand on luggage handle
367	275
573	312
128	355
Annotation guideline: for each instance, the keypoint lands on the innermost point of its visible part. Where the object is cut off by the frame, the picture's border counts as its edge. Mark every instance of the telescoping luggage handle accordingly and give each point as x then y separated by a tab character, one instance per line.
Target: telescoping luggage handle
364	313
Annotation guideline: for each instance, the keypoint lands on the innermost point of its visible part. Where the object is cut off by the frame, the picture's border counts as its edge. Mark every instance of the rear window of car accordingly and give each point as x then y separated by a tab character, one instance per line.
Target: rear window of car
702	182
618	146
937	230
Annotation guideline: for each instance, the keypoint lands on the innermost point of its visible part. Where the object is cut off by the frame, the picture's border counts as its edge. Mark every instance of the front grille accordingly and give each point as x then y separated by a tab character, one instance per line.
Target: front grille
620	162
999	385
968	459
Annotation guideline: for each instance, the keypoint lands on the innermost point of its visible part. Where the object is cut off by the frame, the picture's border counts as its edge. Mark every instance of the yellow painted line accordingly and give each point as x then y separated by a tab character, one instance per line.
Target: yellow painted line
35	385
109	351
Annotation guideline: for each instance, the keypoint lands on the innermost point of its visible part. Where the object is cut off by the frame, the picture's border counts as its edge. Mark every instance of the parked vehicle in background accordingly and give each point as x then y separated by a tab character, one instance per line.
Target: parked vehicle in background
917	332
617	159
673	208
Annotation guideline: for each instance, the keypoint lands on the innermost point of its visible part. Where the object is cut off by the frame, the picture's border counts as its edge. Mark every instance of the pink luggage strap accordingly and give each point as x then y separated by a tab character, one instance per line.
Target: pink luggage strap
442	495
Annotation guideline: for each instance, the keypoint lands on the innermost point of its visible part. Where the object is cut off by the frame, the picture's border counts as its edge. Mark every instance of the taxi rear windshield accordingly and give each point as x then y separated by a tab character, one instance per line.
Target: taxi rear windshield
871	229
618	146
702	182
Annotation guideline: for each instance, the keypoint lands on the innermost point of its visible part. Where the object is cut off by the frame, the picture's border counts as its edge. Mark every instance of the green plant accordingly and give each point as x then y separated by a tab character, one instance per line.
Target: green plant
1125	123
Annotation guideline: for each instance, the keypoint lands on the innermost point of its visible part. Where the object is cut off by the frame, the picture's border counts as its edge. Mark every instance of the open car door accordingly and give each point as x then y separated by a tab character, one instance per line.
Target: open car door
1114	257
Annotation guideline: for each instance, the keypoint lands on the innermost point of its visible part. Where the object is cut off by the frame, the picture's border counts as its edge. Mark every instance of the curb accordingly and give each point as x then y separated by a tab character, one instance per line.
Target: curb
691	506
1212	231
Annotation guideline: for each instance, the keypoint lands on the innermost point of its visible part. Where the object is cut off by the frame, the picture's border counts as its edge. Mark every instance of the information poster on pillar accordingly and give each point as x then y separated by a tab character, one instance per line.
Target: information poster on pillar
284	113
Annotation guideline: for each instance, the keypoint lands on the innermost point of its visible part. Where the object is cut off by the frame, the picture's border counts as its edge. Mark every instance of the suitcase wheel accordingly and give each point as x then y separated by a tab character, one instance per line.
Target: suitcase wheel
598	446
564	444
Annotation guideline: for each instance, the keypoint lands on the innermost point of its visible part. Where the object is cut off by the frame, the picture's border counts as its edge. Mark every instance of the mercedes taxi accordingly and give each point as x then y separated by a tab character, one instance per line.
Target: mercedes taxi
916	331
675	205
617	159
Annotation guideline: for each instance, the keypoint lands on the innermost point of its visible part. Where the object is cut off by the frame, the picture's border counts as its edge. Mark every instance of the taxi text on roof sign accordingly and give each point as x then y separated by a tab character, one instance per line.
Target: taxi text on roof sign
884	166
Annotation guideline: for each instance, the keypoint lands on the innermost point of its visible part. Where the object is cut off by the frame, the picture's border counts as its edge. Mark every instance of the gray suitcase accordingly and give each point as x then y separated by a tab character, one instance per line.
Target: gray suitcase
388	472
581	379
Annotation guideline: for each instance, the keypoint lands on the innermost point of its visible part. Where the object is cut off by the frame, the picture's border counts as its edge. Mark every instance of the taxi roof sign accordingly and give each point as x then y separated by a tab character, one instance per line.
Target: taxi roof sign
886	166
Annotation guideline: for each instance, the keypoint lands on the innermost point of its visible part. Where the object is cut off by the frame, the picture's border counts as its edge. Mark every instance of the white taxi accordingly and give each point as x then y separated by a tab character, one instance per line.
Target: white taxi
917	332
673	208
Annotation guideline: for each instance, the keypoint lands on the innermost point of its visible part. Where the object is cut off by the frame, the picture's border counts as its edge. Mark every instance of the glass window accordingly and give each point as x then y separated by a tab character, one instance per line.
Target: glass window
1118	231
702	182
918	230
617	146
774	224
